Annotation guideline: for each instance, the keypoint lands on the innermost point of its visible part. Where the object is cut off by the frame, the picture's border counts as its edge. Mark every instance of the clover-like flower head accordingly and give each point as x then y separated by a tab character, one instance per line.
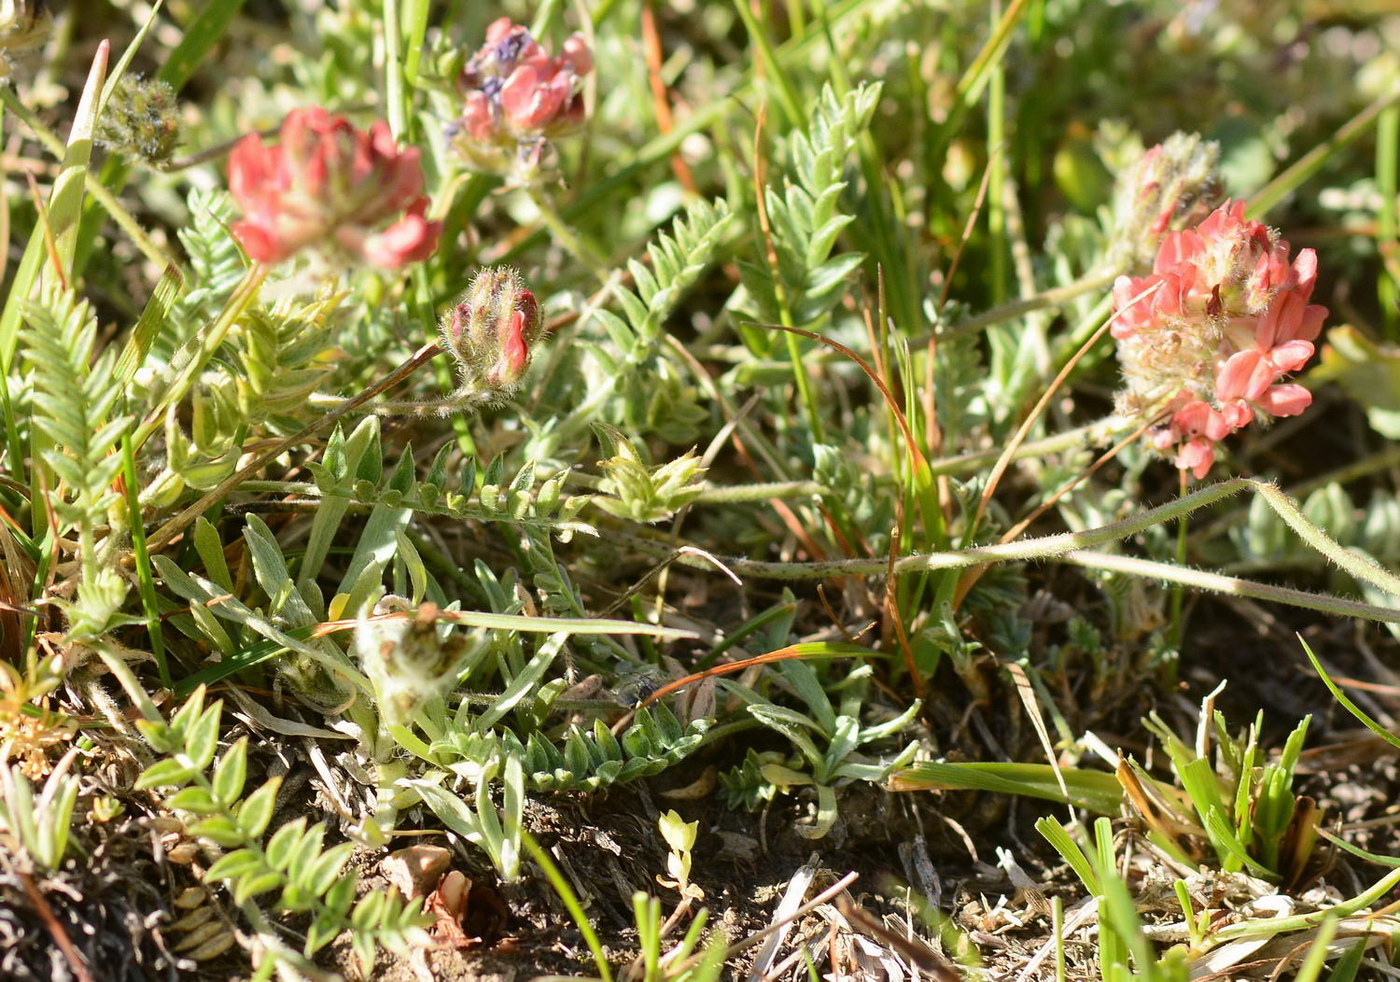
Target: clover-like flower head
516	99
1211	333
1173	185
325	183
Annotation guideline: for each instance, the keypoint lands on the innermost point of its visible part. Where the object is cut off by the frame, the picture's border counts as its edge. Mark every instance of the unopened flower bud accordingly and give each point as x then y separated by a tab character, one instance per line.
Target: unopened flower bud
492	330
141	120
1172	186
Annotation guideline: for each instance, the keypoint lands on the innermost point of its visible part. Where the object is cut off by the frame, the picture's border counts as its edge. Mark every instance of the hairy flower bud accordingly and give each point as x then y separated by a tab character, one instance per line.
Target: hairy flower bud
516	99
24	25
408	660
492	330
141	120
1207	337
1172	186
350	192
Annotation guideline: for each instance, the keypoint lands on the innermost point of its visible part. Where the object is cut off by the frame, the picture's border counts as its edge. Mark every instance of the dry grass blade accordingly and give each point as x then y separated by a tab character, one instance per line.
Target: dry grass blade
783	916
923	957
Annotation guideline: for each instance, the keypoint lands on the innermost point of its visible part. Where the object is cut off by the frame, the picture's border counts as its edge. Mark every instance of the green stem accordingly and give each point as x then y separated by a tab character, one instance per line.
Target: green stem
1257	928
417	11
181	521
145	580
1090	435
1358	565
1231	585
1365	467
581	250
127	222
996	184
1072	547
715	494
1080	333
1387	236
1044	547
1176	629
1311	162
117	665
1058	297
463	399
804	384
544	18
238	302
394	94
772	67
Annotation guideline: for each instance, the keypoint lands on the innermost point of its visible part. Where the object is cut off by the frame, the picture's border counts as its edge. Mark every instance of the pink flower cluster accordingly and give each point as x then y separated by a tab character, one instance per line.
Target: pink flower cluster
1208	336
517	98
326	183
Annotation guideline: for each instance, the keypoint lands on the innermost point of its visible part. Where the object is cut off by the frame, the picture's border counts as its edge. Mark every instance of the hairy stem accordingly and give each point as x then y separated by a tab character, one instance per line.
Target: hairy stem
1059	296
567	237
1073	547
180	522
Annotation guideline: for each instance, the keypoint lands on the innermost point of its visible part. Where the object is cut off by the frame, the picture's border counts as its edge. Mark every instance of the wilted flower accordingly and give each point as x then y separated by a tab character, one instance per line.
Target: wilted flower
327	183
517	98
1210	334
141	119
1173	185
24	24
408	660
492	329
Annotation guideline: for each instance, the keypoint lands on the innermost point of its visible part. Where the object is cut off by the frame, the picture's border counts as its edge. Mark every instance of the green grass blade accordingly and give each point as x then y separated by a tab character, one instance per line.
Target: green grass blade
1313	161
772	67
144	576
571	902
1349	964
1058	837
119	69
195	48
1387	220
1095	790
1347	704
66	201
1371	857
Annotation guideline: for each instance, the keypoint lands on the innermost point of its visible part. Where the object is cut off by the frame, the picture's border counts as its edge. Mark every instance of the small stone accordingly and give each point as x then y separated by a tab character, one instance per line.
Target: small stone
415	870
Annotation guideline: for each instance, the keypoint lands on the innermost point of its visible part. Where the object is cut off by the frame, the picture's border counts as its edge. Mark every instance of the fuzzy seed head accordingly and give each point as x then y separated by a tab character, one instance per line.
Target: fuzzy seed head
141	120
406	658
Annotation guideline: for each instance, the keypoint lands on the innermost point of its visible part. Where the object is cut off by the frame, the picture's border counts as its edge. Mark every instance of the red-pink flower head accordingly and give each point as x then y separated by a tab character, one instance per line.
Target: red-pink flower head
328	184
1209	335
493	329
517	98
